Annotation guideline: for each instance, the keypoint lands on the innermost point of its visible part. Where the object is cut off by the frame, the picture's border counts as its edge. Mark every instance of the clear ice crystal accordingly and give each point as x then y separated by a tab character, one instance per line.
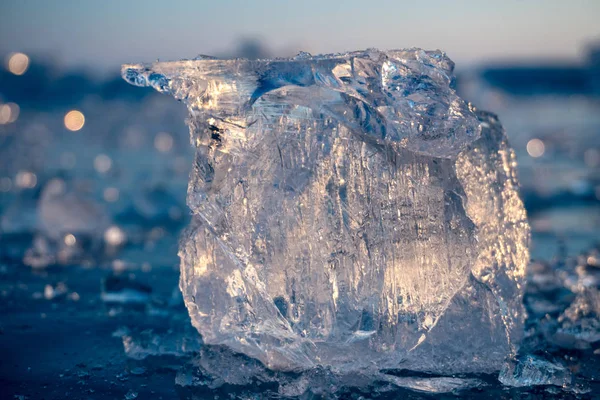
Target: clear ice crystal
349	211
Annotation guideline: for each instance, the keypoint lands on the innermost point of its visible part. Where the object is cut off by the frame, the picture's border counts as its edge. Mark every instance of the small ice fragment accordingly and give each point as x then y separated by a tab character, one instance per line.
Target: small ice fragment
181	341
531	370
302	55
433	384
130	395
122	290
138	371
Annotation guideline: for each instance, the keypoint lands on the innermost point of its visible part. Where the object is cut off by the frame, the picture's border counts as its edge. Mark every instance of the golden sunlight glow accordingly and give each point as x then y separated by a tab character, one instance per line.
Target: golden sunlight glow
17	63
74	120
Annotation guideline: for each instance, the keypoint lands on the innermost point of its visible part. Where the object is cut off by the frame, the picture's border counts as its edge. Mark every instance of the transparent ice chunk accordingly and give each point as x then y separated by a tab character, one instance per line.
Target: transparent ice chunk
532	371
350	211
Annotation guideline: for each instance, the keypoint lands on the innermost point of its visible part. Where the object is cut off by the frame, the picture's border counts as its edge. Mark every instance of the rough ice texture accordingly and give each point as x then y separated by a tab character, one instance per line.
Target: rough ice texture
350	211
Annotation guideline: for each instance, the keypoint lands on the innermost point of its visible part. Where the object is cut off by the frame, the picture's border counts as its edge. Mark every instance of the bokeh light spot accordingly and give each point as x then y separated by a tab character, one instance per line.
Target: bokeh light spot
102	163
591	157
74	120
9	113
5	184
26	179
163	142
114	236
536	148
70	240
17	63
111	194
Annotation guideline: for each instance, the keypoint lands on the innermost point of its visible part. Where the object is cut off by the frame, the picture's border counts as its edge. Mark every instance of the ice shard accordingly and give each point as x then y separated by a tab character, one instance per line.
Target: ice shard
350	211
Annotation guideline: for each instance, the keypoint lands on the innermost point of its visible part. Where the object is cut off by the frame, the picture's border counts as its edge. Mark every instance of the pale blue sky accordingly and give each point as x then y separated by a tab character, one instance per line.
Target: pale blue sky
110	32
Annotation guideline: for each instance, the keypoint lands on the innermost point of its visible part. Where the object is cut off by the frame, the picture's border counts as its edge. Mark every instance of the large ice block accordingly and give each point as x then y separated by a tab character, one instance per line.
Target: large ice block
350	211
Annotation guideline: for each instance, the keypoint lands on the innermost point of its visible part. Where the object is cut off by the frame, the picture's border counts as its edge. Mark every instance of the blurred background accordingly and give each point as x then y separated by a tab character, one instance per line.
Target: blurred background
93	172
